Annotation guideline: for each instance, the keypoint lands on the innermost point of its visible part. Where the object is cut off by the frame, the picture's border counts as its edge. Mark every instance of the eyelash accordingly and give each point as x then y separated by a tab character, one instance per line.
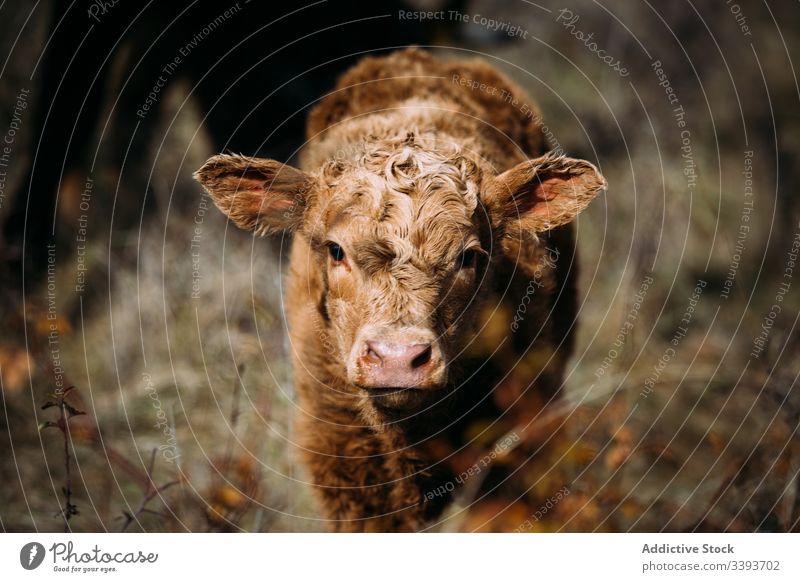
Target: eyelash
467	259
336	252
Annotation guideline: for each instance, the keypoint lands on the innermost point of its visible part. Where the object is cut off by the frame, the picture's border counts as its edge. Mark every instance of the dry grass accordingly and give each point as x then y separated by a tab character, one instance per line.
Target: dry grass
713	446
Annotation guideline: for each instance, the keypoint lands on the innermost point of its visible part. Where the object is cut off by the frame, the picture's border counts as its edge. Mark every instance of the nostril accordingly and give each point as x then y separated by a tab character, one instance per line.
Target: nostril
396	362
371	355
422	358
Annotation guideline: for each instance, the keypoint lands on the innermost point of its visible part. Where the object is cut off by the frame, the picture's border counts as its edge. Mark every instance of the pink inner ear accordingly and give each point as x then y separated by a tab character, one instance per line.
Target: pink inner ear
545	190
266	201
551	187
271	202
251	185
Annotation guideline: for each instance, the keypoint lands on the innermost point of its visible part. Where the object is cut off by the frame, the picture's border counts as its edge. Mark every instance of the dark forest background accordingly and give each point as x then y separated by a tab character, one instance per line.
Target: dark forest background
119	281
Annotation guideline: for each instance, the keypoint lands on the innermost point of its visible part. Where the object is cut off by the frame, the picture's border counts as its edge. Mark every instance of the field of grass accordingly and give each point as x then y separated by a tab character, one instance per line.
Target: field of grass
682	405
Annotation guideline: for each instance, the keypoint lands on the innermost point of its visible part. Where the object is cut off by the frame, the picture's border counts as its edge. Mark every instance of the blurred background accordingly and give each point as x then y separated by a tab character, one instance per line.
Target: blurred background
681	406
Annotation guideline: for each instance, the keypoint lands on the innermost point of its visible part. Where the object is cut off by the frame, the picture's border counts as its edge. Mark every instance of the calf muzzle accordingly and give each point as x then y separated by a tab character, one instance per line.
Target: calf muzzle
400	359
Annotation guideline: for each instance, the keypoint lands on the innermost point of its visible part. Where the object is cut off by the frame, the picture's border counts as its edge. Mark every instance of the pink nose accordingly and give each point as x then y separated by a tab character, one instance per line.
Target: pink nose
399	365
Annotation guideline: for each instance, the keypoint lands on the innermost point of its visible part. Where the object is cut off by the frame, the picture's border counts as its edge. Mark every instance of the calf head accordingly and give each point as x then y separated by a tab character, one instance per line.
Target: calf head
403	234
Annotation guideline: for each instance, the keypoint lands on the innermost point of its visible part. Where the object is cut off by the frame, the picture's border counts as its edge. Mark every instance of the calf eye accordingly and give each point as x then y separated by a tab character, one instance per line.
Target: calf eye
467	259
336	252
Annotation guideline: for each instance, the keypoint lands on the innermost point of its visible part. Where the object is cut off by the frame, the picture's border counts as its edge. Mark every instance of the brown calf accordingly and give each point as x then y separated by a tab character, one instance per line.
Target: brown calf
420	223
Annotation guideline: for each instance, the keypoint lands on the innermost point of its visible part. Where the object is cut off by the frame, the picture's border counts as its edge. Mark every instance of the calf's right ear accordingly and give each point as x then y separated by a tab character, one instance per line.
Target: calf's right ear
261	195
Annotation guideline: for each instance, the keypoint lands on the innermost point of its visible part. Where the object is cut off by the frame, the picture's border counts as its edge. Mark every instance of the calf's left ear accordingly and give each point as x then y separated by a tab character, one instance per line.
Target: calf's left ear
542	193
261	195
